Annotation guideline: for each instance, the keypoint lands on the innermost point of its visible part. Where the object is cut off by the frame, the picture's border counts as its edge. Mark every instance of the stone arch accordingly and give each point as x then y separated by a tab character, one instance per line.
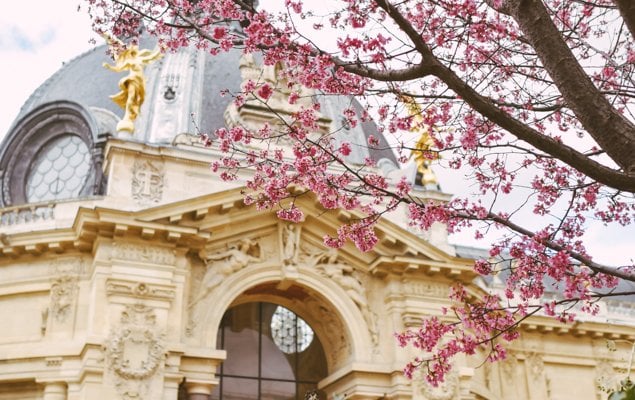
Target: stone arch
305	295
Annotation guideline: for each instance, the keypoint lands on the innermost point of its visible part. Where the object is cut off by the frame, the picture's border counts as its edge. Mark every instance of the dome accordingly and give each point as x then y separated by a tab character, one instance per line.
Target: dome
182	96
182	93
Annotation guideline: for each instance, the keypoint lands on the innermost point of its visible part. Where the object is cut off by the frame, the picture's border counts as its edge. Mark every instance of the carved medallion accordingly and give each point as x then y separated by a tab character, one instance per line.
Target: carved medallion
136	349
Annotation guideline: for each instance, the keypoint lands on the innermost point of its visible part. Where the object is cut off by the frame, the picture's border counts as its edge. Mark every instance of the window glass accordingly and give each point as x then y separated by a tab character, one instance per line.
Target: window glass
59	170
272	347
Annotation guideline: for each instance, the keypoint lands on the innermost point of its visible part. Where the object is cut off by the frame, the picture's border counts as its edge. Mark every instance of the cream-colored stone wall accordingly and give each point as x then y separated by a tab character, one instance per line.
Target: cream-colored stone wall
120	297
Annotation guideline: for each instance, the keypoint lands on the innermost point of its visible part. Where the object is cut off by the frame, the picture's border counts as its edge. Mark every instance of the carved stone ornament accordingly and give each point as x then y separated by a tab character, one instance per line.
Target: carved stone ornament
220	265
535	364
148	180
606	378
119	287
63	291
342	274
339	346
64	287
446	390
509	366
431	289
143	253
136	349
223	263
26	214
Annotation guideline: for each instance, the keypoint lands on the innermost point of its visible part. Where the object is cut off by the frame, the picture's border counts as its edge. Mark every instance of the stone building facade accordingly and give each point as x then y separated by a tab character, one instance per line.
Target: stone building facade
129	271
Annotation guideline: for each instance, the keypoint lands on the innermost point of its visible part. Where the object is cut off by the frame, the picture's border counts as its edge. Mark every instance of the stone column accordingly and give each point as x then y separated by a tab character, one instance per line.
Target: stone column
198	390
55	391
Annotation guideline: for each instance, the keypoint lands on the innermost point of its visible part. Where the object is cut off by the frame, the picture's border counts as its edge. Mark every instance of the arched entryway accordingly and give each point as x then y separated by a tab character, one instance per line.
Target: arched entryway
271	354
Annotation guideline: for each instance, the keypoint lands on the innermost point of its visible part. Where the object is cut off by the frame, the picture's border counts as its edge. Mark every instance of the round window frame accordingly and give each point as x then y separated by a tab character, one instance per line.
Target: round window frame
42	125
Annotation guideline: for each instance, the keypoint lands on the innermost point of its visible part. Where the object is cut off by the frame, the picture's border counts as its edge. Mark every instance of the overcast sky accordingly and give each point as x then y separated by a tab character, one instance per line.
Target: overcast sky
38	36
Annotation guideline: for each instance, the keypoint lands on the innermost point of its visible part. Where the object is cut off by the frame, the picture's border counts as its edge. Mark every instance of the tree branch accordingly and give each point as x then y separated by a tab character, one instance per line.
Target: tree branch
627	11
625	274
614	133
483	105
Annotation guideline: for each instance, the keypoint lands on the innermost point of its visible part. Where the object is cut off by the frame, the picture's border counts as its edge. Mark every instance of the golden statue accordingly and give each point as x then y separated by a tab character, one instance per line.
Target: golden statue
423	148
133	91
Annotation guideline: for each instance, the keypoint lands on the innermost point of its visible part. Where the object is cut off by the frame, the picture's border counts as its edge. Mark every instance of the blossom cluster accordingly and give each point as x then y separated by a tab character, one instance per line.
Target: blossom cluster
493	106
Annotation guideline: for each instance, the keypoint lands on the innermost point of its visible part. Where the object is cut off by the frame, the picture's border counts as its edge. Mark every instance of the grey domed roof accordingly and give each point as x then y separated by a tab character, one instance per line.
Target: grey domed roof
82	80
182	96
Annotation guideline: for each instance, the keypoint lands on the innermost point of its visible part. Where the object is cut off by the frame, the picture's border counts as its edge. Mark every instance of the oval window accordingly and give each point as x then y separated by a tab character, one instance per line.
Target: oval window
59	170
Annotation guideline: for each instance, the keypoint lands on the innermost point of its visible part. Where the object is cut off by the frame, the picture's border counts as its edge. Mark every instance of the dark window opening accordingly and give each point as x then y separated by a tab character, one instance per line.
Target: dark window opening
272	354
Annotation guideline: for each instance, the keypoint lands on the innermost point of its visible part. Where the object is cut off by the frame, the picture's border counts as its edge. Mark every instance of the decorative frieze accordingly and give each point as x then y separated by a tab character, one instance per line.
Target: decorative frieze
429	289
143	253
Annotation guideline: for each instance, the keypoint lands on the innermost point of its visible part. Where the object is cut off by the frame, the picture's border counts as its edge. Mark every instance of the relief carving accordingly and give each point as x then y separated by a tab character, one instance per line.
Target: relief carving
342	274
535	364
606	378
339	349
143	253
64	290
136	349
148	180
446	390
509	367
432	289
139	290
289	240
218	267
222	264
535	372
27	214
509	370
